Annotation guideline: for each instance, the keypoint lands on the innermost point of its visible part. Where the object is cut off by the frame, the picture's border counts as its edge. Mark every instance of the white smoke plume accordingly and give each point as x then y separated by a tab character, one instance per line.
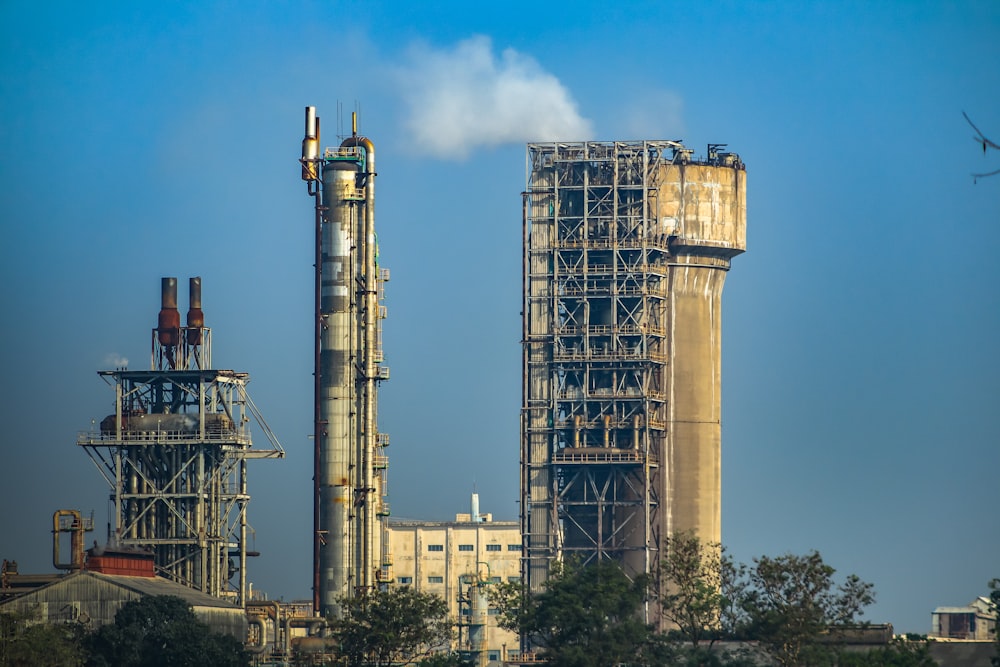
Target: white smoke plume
115	360
467	97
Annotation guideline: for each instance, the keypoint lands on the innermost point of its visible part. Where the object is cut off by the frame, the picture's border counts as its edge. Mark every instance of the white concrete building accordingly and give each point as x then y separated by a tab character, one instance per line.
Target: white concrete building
458	560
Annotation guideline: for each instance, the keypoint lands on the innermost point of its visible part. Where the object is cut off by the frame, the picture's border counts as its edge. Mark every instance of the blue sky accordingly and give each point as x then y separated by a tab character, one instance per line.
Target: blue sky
860	363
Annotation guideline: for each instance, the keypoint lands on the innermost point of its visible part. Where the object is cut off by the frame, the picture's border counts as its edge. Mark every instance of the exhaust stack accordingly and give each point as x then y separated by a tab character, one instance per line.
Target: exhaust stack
195	316
168	326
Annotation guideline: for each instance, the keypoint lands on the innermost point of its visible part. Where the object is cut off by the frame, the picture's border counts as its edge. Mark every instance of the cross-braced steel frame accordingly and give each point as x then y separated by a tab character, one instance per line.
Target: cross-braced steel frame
174	453
593	417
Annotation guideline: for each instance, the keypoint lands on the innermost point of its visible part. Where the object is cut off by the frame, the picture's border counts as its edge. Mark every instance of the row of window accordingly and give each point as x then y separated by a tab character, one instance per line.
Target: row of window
469	547
465	579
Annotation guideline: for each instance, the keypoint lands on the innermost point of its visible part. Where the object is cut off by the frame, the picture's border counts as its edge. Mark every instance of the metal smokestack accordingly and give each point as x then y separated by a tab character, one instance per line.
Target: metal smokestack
169	321
195	316
310	146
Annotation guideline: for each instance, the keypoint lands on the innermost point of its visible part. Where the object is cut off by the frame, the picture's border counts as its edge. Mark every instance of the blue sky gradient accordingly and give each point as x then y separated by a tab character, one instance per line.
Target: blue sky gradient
860	365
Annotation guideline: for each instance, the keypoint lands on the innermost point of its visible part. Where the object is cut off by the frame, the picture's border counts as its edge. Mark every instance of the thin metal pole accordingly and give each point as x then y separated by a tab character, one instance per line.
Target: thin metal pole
317	379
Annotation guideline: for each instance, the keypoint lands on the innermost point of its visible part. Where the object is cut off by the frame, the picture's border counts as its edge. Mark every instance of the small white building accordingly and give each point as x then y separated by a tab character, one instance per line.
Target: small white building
459	560
976	621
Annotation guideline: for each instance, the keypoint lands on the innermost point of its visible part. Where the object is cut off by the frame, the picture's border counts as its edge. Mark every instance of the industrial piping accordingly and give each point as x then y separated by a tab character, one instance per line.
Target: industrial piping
366	543
346	492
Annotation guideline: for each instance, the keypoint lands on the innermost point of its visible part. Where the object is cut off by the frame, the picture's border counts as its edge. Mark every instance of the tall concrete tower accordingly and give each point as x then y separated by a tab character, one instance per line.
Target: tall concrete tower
626	248
349	483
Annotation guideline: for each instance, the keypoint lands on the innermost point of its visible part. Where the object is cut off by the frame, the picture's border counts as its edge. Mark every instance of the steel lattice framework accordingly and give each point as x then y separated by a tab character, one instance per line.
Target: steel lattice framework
595	418
174	453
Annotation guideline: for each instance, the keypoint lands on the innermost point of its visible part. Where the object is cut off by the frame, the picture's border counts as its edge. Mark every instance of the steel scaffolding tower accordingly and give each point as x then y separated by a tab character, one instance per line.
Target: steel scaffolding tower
175	452
616	234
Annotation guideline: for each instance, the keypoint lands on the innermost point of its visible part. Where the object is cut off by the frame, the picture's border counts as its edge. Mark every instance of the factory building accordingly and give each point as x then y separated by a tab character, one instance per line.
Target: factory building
626	248
458	561
108	580
174	452
975	621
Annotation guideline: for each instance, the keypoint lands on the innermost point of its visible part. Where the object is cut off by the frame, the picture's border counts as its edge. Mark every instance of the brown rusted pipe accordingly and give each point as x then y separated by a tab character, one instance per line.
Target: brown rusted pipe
76	530
169	321
195	316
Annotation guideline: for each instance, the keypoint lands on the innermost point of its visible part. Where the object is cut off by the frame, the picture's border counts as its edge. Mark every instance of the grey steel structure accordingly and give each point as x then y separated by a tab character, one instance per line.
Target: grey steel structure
175	452
626	247
350	552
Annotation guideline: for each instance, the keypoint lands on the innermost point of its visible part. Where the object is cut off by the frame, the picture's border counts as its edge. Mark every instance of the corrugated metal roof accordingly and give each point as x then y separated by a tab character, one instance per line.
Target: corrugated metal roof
161	586
94	599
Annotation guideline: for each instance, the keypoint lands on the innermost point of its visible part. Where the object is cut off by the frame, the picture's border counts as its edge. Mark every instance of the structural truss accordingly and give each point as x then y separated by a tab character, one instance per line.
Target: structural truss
605	227
174	453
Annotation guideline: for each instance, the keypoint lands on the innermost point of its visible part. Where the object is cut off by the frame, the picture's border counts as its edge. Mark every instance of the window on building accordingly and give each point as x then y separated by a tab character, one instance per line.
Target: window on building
465	547
493	611
465	611
493	656
493	547
514	580
465	579
435	547
404	580
496	580
513	547
435	580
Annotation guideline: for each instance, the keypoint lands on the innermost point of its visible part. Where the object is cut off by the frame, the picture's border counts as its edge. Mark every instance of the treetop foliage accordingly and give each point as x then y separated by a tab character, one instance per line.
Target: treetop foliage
791	603
156	631
398	626
791	608
161	631
586	616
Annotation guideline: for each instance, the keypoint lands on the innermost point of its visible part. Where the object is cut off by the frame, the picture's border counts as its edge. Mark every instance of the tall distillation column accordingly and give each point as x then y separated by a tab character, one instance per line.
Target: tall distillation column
626	247
175	452
349	482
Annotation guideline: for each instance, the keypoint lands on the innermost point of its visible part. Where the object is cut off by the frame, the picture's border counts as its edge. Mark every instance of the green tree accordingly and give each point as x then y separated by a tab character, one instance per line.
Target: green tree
162	631
586	616
398	626
444	660
794	609
897	654
24	644
698	595
690	584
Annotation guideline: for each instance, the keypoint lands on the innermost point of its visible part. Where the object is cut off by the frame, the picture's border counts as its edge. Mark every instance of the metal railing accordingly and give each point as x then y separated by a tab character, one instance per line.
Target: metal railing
226	436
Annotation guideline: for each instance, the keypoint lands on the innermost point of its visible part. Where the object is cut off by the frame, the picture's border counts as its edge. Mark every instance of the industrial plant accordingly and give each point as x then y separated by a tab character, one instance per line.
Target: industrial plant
175	453
625	250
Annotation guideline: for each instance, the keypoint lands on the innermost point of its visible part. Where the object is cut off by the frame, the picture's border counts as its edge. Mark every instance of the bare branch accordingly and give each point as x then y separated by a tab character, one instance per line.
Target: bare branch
976	177
981	138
